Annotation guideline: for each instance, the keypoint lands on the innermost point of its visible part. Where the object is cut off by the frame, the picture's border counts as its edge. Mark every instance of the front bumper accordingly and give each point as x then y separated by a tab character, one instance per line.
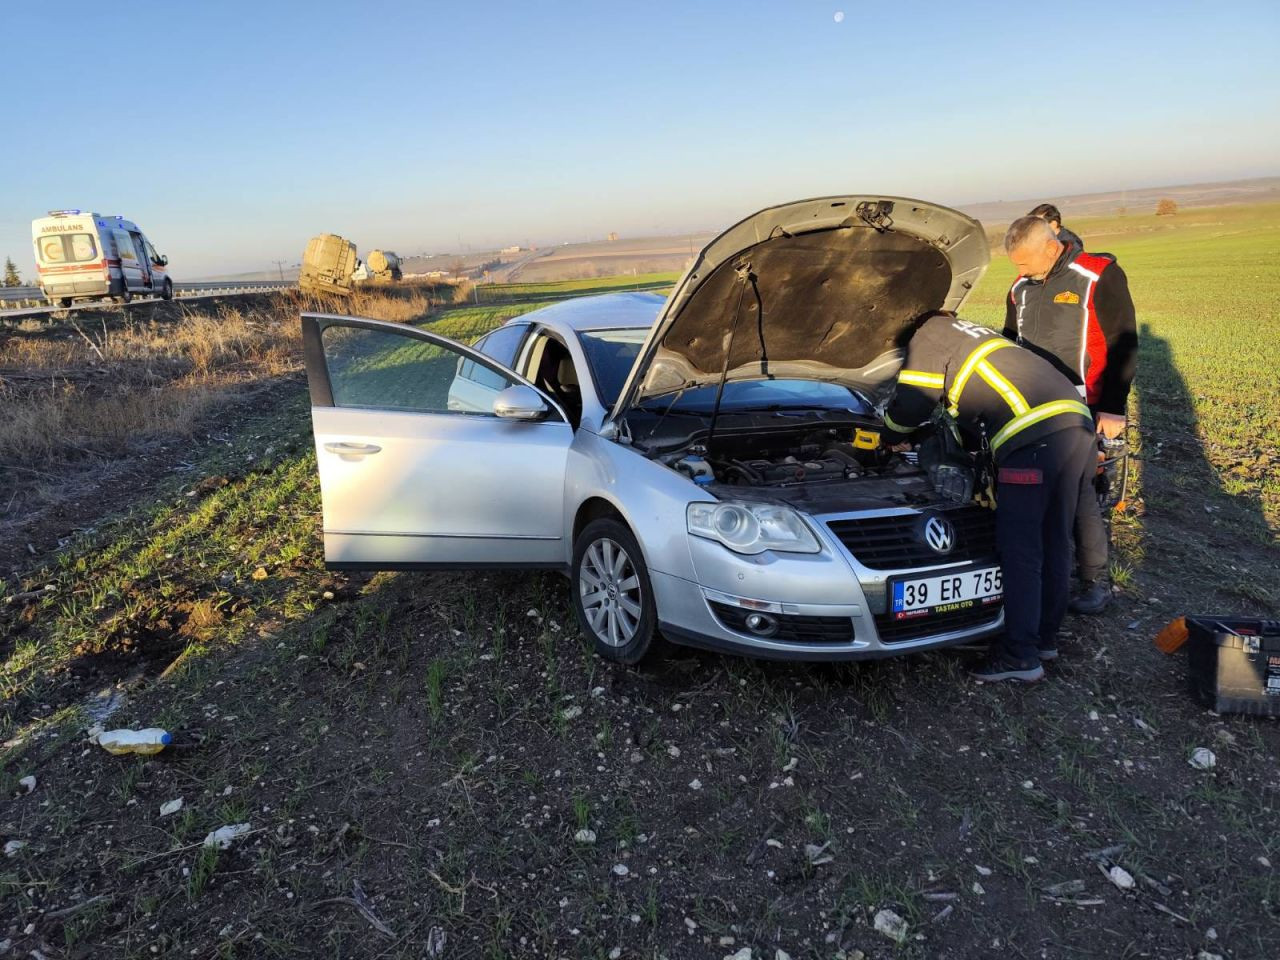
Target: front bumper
827	605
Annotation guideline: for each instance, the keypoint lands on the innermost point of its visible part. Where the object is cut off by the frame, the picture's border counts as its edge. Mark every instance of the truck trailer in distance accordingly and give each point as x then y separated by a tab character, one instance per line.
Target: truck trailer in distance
330	266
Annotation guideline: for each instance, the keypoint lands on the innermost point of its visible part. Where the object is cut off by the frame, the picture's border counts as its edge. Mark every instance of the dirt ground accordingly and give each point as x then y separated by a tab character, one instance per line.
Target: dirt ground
435	765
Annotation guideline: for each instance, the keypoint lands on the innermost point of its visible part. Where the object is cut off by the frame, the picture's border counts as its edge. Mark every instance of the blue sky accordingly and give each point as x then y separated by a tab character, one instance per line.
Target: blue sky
232	131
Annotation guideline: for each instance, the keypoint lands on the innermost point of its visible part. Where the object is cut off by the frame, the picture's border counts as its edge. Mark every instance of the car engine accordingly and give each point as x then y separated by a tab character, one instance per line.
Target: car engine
817	466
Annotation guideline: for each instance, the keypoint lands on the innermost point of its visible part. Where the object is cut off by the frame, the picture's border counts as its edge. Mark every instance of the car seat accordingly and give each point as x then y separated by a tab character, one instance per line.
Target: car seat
568	390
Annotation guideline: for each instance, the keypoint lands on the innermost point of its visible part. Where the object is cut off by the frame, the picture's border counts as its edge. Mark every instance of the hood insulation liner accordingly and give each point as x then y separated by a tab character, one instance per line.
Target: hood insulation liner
833	300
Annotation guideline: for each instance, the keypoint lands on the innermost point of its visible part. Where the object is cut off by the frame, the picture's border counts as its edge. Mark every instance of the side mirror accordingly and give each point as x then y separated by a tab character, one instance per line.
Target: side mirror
164	261
518	402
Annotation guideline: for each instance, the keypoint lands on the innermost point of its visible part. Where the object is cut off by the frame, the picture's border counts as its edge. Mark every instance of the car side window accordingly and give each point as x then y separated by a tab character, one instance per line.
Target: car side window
504	343
382	370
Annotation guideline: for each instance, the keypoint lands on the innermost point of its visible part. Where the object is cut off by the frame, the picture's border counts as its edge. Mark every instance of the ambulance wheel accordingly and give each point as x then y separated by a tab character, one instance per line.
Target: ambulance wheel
64	302
166	292
126	295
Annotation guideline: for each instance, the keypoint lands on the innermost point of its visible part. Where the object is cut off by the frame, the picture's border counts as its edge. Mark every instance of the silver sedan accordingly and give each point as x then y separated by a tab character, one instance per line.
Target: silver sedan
706	467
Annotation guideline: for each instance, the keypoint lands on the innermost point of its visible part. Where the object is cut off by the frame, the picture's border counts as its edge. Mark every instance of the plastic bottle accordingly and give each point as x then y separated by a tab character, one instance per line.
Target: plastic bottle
146	742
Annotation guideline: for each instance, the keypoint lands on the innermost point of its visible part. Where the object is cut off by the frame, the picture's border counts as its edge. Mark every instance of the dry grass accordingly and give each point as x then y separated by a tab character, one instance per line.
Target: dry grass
91	387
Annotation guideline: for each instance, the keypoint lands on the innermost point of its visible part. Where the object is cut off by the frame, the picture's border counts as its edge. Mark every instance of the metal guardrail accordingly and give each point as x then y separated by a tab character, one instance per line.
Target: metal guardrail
208	286
21	301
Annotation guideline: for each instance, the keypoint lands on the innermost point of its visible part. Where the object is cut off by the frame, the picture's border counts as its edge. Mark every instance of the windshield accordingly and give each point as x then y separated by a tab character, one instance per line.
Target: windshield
612	353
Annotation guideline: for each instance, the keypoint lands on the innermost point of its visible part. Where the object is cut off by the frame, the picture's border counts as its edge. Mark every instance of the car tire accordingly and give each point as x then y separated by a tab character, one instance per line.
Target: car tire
619	617
65	302
126	295
166	291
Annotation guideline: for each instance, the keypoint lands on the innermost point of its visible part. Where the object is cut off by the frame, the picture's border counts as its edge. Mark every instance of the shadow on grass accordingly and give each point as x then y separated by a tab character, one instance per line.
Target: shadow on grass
1201	532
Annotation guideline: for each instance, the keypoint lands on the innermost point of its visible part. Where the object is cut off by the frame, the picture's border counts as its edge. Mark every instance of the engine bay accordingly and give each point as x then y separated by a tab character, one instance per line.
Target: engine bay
820	462
780	463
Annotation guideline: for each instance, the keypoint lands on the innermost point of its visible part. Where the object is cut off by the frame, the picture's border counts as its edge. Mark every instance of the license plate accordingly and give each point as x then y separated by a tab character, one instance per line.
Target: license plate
946	592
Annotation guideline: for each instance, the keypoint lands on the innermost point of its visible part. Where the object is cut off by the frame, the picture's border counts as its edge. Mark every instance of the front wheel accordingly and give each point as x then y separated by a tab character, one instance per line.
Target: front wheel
612	595
64	302
166	291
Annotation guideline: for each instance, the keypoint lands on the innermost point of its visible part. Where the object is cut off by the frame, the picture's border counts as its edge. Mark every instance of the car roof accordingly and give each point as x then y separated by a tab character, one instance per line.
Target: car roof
609	311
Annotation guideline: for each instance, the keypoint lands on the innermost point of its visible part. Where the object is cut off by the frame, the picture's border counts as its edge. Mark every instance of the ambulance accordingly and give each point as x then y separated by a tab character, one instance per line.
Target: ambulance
85	256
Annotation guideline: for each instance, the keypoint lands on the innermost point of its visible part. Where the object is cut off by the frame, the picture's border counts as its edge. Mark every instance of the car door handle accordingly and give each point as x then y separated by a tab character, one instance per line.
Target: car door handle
351	451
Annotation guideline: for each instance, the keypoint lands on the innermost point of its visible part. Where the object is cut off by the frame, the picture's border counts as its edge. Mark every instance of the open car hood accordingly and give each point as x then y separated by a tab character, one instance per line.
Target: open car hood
813	290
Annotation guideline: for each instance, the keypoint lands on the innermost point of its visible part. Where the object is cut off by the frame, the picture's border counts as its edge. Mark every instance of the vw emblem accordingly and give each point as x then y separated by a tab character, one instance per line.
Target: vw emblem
939	534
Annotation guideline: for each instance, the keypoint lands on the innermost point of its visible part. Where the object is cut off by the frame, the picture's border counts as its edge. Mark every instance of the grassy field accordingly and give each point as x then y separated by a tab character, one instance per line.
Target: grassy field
416	755
1207	290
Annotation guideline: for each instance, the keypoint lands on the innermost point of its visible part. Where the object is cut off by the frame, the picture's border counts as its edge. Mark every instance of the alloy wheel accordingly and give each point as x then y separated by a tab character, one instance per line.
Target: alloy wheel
610	590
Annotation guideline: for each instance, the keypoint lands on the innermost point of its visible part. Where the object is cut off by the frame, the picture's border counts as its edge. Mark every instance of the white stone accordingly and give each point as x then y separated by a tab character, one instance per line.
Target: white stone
743	954
891	925
1202	758
13	846
620	869
222	837
983	871
1121	877
571	713
695	784
585	836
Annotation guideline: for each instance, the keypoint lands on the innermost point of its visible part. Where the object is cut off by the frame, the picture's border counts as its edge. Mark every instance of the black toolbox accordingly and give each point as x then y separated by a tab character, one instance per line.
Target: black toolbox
1233	664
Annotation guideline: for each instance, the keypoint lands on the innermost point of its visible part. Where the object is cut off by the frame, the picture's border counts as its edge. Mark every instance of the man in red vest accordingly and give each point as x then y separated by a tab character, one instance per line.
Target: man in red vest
1074	309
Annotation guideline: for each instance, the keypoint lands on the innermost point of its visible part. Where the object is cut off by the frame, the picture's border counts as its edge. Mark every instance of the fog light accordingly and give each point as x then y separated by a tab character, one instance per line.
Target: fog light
761	624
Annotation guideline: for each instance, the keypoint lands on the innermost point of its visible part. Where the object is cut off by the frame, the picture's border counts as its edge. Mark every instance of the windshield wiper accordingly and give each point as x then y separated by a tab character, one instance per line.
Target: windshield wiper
666	413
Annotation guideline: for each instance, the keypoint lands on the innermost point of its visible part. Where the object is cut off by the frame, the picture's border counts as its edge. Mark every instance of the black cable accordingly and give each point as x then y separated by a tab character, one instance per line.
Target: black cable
764	353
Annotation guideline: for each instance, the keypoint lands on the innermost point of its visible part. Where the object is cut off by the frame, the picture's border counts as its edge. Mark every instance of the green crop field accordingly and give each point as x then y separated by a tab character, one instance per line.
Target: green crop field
1206	285
427	758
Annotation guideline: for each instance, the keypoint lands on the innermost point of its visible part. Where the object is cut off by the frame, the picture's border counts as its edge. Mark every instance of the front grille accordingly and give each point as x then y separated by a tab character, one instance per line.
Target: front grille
895	542
898	631
792	627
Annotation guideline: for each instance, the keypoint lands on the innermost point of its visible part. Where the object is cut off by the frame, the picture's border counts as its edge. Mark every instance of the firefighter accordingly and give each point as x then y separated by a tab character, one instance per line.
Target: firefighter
1074	309
1051	215
1040	434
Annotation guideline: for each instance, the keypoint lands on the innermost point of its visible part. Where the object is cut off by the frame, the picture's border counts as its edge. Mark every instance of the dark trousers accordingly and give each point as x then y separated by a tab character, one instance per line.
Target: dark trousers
1091	536
1040	487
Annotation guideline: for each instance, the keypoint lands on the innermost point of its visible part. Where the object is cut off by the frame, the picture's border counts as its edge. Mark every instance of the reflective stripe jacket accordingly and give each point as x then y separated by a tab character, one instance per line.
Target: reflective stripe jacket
1080	317
992	387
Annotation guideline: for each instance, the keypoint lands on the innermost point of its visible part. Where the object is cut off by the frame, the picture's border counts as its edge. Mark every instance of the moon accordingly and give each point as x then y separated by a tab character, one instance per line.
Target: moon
839	17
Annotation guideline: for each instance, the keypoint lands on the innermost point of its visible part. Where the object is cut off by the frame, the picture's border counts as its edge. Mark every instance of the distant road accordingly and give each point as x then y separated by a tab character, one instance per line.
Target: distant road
508	272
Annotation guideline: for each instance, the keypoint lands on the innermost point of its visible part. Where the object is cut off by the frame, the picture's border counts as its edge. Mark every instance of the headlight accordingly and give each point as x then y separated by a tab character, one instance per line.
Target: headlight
752	527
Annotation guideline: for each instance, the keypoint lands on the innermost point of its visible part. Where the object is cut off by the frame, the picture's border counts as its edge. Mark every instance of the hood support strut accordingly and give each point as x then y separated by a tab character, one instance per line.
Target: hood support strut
745	276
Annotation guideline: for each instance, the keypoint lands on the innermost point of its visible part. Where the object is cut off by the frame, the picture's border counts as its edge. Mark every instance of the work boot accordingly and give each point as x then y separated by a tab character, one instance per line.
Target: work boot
1093	599
997	668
